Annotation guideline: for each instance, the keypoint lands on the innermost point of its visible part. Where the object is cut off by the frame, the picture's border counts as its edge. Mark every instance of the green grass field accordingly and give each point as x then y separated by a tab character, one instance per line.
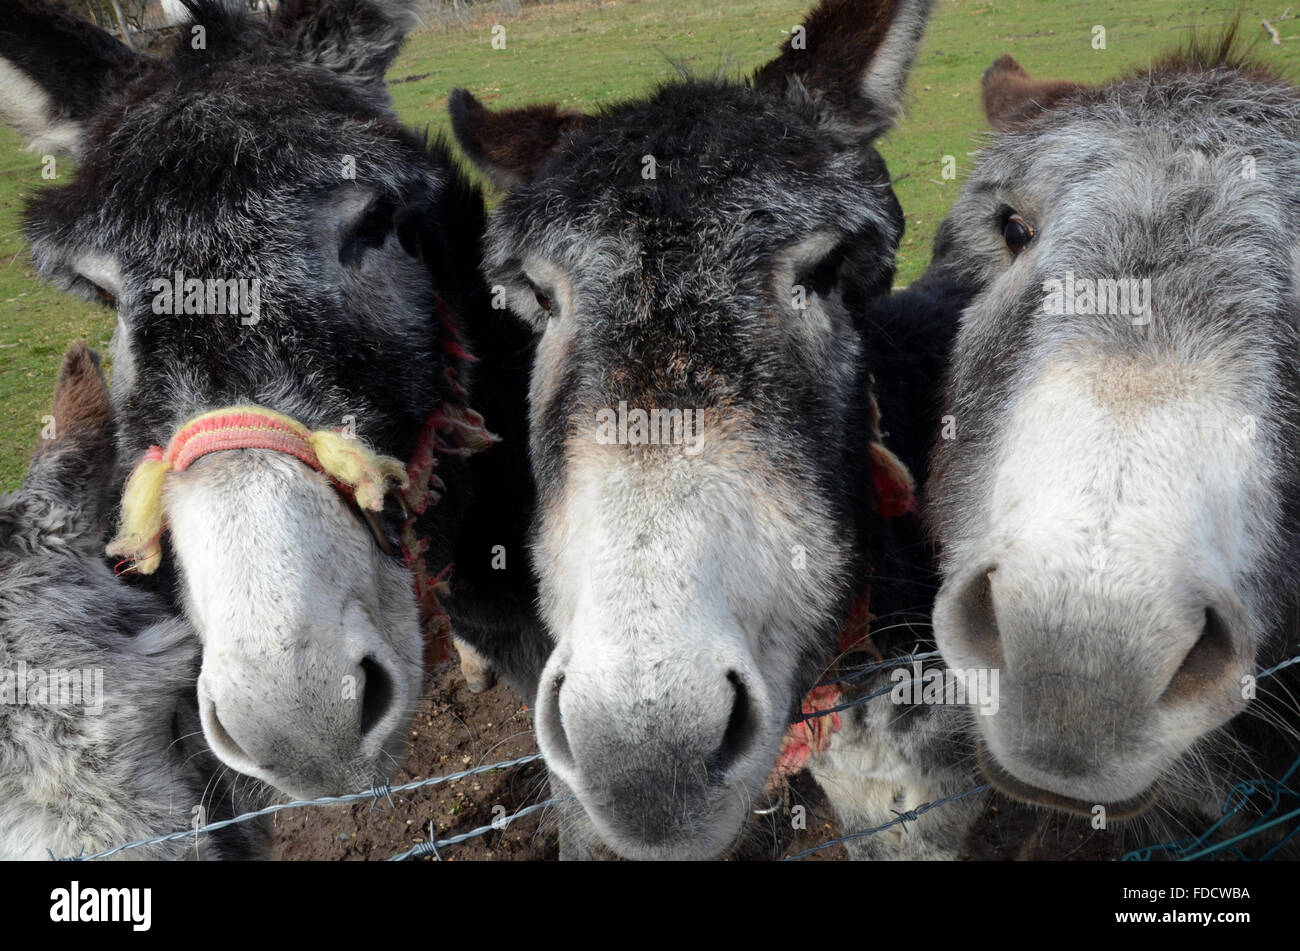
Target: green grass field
584	54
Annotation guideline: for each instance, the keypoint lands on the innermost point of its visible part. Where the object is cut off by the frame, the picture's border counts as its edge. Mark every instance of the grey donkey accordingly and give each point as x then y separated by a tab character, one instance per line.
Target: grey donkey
1118	506
99	728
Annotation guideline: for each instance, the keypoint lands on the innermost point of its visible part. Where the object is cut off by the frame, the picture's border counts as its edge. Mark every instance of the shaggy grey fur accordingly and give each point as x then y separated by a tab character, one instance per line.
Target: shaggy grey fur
1184	175
73	781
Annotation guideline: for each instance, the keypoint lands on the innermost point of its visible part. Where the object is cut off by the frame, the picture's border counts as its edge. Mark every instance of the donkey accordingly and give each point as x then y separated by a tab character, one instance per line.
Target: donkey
696	265
1118	510
295	275
99	729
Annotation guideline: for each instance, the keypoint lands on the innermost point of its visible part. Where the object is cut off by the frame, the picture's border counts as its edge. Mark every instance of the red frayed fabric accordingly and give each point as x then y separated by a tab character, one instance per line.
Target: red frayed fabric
807	737
448	430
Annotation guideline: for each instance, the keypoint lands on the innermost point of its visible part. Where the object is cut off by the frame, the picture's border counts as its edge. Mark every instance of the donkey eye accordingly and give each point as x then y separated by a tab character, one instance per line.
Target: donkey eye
105	296
543	301
1017	232
823	277
376	224
371	231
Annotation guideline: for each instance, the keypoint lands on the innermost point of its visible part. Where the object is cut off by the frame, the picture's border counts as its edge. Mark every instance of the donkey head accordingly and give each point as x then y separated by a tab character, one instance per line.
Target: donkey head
269	235
692	263
1117	512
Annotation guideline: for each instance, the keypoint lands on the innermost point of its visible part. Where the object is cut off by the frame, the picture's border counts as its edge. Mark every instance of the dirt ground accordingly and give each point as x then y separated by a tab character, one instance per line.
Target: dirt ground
456	730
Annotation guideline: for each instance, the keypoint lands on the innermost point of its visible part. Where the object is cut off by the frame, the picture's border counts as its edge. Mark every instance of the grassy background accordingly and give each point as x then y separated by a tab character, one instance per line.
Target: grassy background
585	53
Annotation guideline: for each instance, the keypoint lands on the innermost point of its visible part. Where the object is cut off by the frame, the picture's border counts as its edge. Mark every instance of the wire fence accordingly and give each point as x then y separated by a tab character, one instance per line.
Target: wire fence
434	845
900	819
374	794
1275	815
1278	793
1203	847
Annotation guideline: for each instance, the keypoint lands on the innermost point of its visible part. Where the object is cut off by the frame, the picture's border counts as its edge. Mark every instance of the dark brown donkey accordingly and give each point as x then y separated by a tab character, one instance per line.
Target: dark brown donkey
696	265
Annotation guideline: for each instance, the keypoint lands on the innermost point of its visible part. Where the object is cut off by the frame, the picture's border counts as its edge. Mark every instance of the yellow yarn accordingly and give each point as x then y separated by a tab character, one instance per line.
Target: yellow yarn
352	463
344	458
139	536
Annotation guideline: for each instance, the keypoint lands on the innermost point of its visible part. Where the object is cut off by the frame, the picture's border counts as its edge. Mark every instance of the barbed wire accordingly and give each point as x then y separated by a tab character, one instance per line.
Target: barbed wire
432	847
847	705
1186	849
902	818
374	793
1276	667
859	672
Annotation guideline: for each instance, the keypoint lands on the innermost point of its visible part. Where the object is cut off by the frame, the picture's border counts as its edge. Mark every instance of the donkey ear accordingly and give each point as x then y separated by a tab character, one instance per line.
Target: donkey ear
75	457
358	39
508	146
1012	99
57	72
850	60
81	403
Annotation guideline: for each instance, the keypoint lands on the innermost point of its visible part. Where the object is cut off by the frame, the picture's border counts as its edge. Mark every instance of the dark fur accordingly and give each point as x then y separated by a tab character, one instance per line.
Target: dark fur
224	161
842	36
700	158
911	333
178	214
674	305
66	55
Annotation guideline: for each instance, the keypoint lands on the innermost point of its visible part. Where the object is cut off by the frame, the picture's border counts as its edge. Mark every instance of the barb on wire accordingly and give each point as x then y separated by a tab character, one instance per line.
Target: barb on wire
860	673
373	793
900	818
433	845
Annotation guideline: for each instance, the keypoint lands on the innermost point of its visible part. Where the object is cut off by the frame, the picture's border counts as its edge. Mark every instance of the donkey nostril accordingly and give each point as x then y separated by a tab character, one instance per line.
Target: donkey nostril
975	621
377	695
740	732
219	737
550	723
1201	672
